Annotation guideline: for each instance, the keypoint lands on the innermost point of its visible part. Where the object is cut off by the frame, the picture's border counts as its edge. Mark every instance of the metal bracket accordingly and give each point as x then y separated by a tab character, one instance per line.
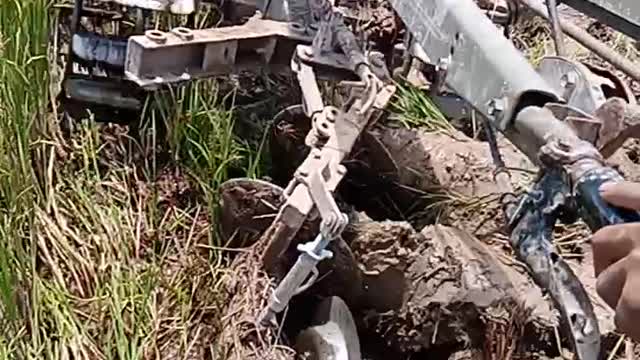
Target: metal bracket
161	58
574	81
483	64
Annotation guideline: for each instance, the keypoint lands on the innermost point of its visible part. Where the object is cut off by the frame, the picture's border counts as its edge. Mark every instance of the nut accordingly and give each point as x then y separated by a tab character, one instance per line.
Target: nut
569	80
496	107
183	33
156	36
308	51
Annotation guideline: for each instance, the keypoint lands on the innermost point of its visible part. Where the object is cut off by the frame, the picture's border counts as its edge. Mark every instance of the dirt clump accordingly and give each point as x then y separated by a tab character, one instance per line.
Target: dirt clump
248	207
439	287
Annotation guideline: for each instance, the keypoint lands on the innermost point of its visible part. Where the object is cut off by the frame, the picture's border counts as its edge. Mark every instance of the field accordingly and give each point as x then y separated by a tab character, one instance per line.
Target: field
109	245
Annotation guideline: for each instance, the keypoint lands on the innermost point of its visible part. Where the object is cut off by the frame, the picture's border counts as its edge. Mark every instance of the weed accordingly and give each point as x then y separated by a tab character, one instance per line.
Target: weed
412	108
97	260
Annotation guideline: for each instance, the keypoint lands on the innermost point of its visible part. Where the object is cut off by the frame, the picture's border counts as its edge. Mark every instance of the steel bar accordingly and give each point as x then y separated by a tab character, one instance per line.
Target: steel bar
161	58
558	38
622	15
588	41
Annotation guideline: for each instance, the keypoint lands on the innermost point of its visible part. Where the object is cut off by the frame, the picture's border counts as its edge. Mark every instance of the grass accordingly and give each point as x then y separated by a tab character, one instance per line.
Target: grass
107	247
412	108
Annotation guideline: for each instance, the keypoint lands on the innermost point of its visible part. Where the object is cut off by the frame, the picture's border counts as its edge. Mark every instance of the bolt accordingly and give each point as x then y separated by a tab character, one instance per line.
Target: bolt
341	170
569	80
496	107
330	114
303	173
443	63
316	154
308	51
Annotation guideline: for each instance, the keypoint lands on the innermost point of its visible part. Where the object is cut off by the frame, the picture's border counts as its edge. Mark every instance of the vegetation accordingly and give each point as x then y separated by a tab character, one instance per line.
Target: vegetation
106	247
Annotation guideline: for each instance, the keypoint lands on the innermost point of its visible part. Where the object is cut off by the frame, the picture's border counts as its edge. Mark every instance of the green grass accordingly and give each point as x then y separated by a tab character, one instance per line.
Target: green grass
412	108
102	256
23	84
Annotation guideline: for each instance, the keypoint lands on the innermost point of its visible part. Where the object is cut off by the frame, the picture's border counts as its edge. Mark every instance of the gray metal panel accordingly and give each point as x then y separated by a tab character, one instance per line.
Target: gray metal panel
622	15
482	64
182	7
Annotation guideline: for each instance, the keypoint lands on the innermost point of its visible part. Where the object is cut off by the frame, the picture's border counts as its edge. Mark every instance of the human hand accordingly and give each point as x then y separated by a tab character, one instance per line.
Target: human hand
616	258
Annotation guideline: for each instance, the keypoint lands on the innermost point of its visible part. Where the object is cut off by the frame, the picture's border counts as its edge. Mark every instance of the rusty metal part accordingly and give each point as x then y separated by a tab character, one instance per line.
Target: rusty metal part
615	86
164	58
588	41
586	126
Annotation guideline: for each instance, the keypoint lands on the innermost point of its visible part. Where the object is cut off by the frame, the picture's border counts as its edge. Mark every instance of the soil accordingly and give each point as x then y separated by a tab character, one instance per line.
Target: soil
248	208
422	290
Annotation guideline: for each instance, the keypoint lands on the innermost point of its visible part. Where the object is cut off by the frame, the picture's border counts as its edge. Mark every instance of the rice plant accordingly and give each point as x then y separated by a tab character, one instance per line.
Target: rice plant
105	240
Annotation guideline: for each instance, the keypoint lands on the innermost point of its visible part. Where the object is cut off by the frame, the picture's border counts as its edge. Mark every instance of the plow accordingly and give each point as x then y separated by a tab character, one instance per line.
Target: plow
564	117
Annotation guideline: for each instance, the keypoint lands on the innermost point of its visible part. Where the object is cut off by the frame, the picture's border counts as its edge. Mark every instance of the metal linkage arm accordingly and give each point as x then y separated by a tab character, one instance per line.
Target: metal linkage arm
487	70
338	130
333	135
531	226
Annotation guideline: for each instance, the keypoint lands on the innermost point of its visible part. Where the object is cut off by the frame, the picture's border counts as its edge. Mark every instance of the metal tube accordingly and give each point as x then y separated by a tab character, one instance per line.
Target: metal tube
554	19
588	41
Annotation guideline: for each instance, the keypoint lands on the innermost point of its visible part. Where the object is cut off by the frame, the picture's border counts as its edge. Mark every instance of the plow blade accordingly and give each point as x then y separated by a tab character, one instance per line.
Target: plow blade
335	337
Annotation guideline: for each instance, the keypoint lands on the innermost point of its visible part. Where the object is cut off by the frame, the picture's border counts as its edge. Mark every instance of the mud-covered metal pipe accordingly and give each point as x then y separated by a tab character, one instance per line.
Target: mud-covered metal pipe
532	238
554	143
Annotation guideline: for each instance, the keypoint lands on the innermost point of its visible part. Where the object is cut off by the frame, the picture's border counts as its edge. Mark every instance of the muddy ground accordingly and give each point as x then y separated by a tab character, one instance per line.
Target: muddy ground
435	276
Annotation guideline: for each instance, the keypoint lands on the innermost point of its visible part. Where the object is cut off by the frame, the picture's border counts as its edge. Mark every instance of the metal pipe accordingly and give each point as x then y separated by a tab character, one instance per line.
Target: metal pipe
556	30
588	41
